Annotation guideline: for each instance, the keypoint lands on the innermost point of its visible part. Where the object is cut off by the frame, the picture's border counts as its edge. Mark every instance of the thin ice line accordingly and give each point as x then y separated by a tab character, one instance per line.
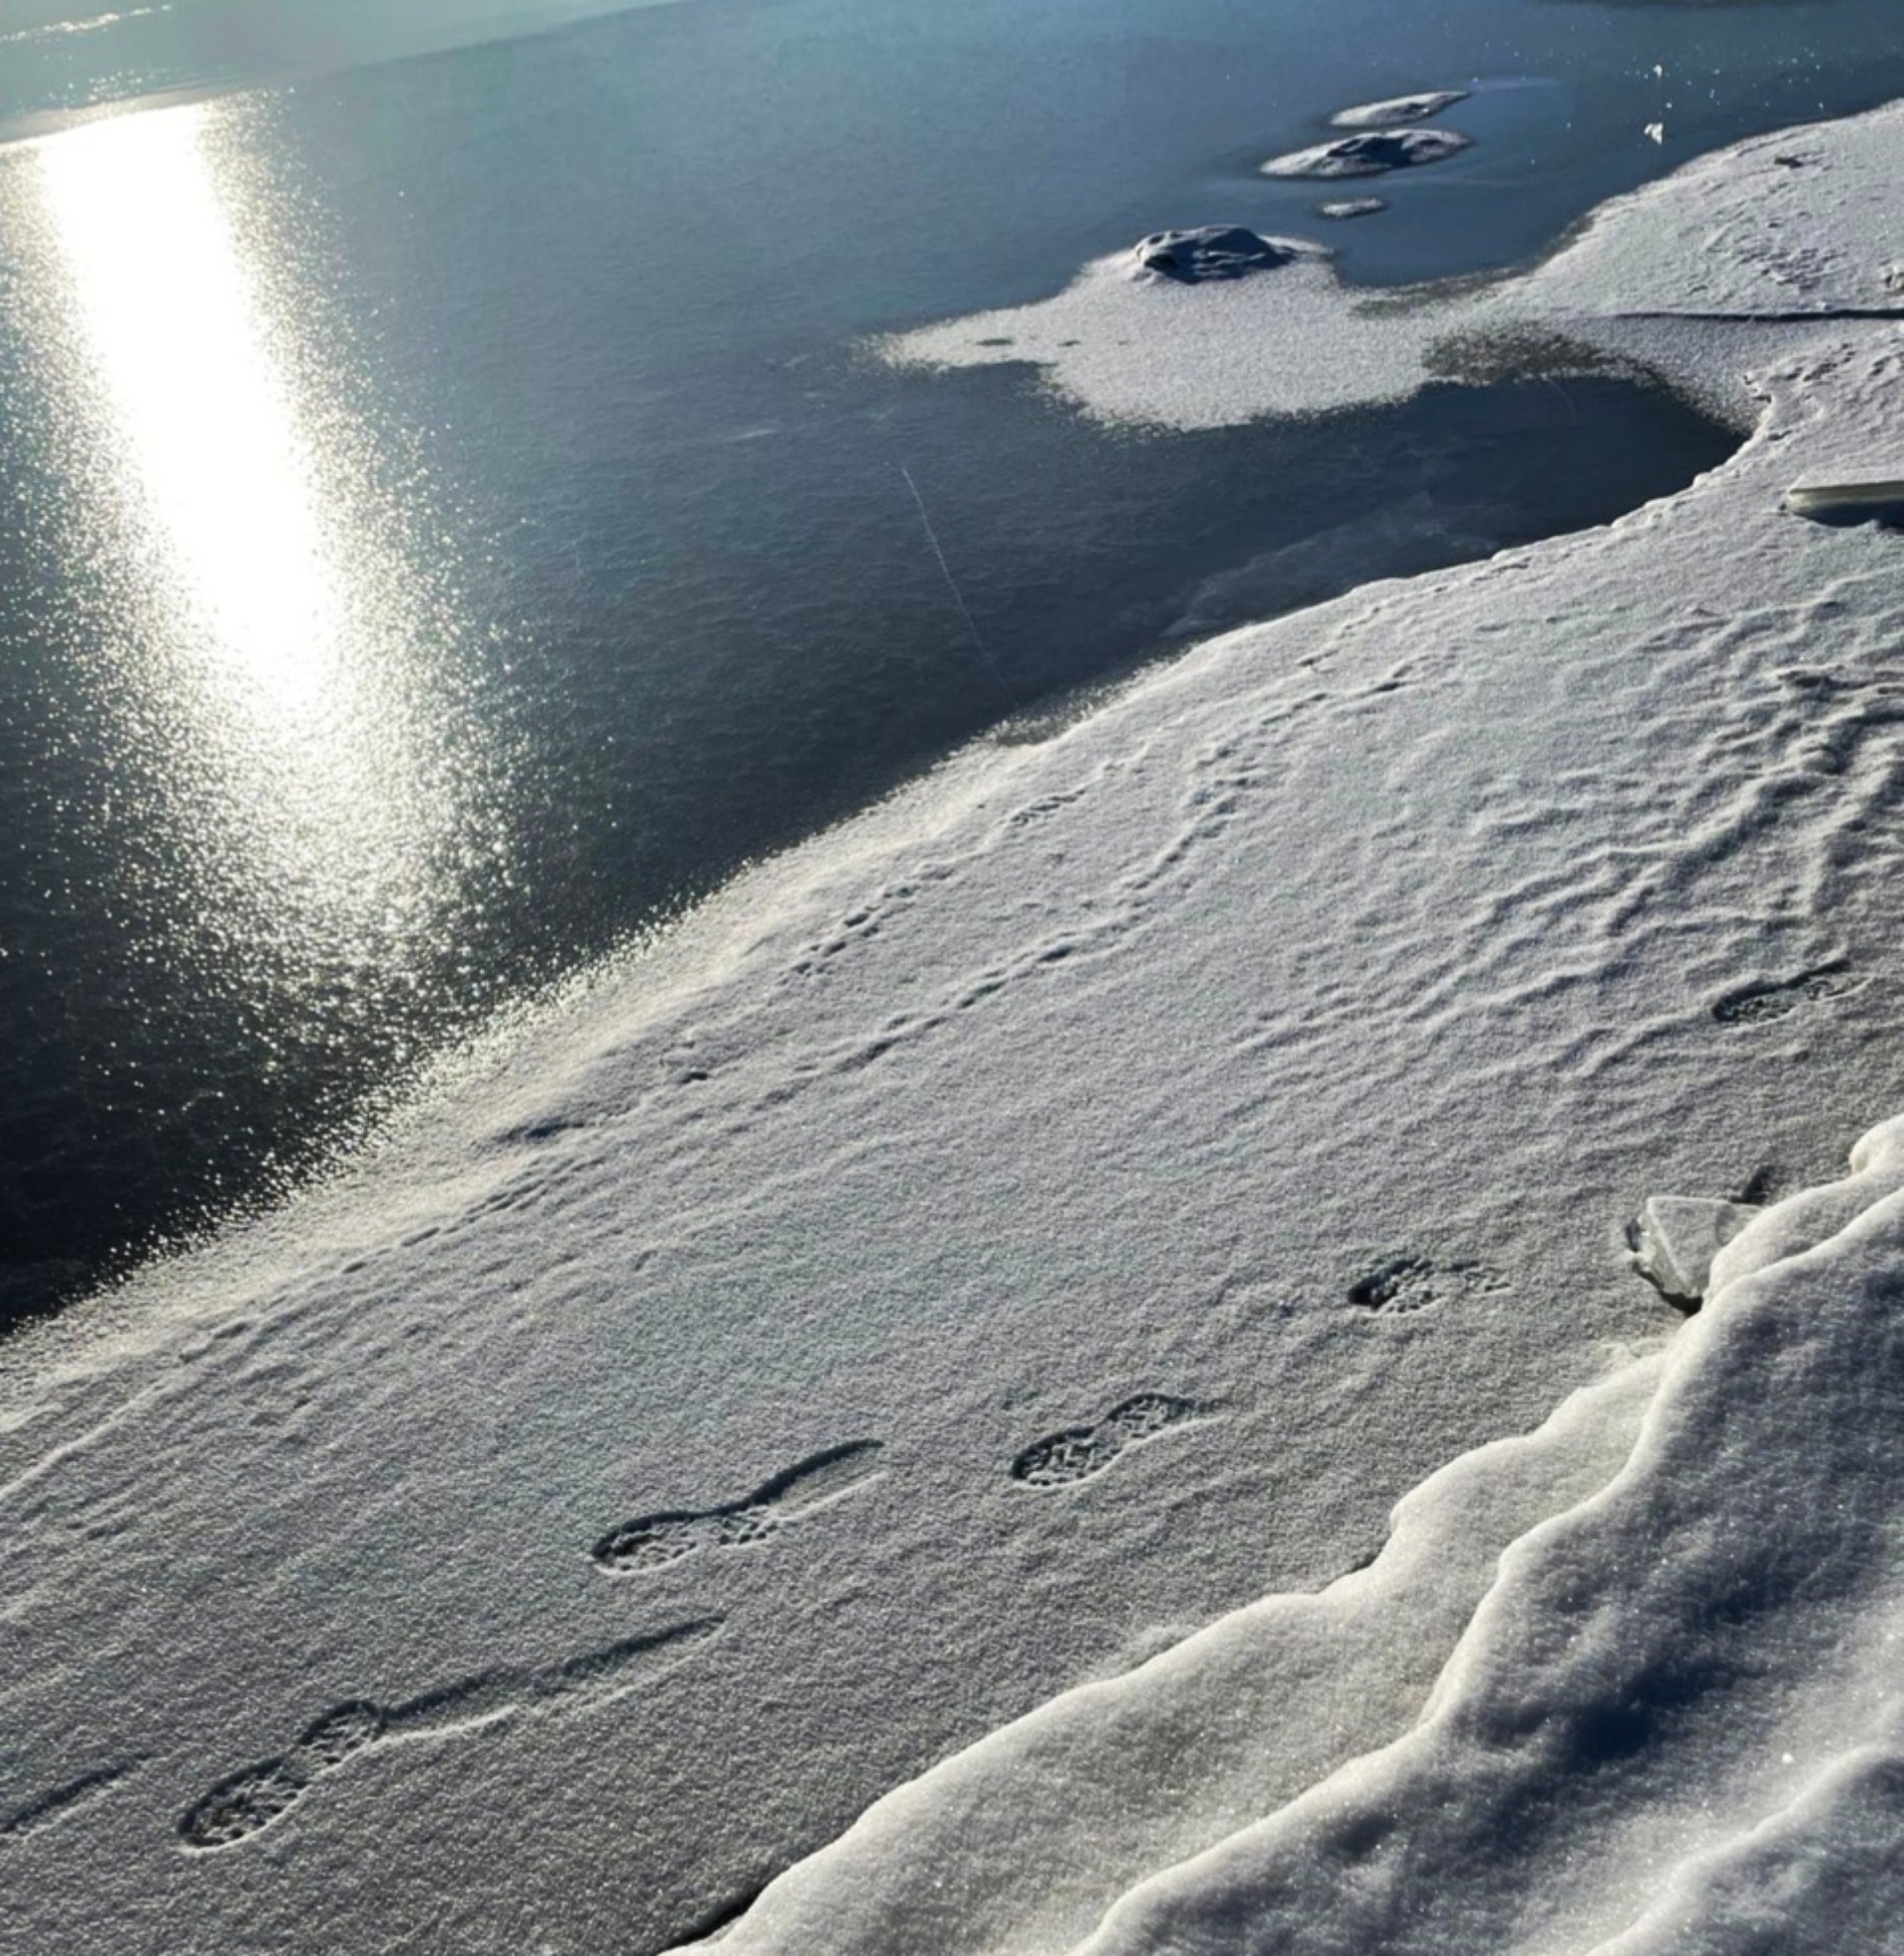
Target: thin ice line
958	597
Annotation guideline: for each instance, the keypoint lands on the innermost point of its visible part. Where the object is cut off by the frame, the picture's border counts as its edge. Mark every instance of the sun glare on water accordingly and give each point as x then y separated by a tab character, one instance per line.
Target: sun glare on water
204	409
277	627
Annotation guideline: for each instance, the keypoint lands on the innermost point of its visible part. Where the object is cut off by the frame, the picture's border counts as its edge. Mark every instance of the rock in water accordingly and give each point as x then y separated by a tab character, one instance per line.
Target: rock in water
1214	251
1370	154
1677	1237
1398	110
1340	207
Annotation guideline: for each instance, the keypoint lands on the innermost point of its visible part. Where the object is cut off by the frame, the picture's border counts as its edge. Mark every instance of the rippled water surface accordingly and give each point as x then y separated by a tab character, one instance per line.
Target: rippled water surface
449	522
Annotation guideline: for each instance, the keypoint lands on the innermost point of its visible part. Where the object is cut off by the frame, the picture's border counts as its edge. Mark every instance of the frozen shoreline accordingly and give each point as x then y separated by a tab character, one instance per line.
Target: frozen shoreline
1387	938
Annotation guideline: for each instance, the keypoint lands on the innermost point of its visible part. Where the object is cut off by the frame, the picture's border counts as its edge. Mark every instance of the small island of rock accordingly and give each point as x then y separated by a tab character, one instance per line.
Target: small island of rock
1212	251
1370	154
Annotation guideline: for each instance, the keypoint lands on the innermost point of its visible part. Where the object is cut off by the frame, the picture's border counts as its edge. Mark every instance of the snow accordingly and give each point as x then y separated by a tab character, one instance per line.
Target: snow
899	1387
1398	110
1372	154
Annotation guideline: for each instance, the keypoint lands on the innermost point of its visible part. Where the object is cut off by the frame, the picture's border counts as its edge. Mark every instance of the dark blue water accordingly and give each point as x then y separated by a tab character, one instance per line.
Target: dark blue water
449	522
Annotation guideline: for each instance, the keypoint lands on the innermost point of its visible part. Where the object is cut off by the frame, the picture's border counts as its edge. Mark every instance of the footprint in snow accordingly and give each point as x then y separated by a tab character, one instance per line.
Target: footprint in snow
1063	1459
650	1540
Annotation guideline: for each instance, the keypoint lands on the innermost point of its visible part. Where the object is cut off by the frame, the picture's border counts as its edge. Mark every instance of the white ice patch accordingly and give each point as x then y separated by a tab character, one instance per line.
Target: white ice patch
1202	356
1398	110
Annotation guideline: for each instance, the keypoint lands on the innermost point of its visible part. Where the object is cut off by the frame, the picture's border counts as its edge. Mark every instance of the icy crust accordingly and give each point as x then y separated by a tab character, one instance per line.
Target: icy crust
1789	227
1667	1714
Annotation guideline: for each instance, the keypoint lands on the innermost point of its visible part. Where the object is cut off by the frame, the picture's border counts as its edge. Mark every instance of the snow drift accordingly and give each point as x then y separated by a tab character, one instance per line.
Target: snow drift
1621	1684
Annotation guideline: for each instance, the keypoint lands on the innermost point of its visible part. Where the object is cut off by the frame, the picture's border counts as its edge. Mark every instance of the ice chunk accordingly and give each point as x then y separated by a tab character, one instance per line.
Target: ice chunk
1877	495
1351	206
1678	1236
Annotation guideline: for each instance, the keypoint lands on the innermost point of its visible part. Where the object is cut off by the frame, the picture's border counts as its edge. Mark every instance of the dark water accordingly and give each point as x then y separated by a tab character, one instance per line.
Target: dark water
445	522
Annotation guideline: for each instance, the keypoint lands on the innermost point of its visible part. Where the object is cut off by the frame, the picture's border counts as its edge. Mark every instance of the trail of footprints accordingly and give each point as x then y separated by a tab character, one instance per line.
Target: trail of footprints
241	1806
246	1803
650	1540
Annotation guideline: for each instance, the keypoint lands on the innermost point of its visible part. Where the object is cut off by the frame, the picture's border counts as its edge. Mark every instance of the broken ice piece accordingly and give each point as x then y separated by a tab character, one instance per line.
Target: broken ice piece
1855	500
1677	1237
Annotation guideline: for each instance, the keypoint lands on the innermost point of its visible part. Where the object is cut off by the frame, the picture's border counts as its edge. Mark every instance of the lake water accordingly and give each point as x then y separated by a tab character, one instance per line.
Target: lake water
451	520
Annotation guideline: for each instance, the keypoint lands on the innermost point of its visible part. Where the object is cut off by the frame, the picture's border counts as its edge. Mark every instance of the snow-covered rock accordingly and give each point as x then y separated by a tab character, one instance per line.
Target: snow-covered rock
1372	152
1212	251
1398	110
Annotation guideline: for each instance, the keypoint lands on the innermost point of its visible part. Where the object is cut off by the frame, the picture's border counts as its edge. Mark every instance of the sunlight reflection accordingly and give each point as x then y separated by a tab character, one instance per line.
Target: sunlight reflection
272	625
203	408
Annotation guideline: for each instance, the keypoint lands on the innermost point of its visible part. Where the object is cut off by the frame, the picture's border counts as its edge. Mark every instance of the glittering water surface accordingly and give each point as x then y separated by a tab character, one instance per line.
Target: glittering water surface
249	806
447	520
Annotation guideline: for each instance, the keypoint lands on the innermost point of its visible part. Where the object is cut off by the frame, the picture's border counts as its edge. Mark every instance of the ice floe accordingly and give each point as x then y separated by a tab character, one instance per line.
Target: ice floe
1779	247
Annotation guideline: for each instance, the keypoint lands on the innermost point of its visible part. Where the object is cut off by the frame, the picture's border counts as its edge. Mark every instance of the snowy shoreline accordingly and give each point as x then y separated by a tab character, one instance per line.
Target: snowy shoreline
1078	1083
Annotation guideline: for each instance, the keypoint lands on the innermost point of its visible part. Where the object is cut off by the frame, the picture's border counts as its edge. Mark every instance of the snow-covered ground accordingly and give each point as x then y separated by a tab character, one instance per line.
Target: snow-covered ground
1065	1210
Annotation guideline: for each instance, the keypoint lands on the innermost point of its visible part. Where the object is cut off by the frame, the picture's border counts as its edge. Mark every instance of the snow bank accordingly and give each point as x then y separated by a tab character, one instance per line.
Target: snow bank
1632	1677
1696	1658
1021	1843
1073	1202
